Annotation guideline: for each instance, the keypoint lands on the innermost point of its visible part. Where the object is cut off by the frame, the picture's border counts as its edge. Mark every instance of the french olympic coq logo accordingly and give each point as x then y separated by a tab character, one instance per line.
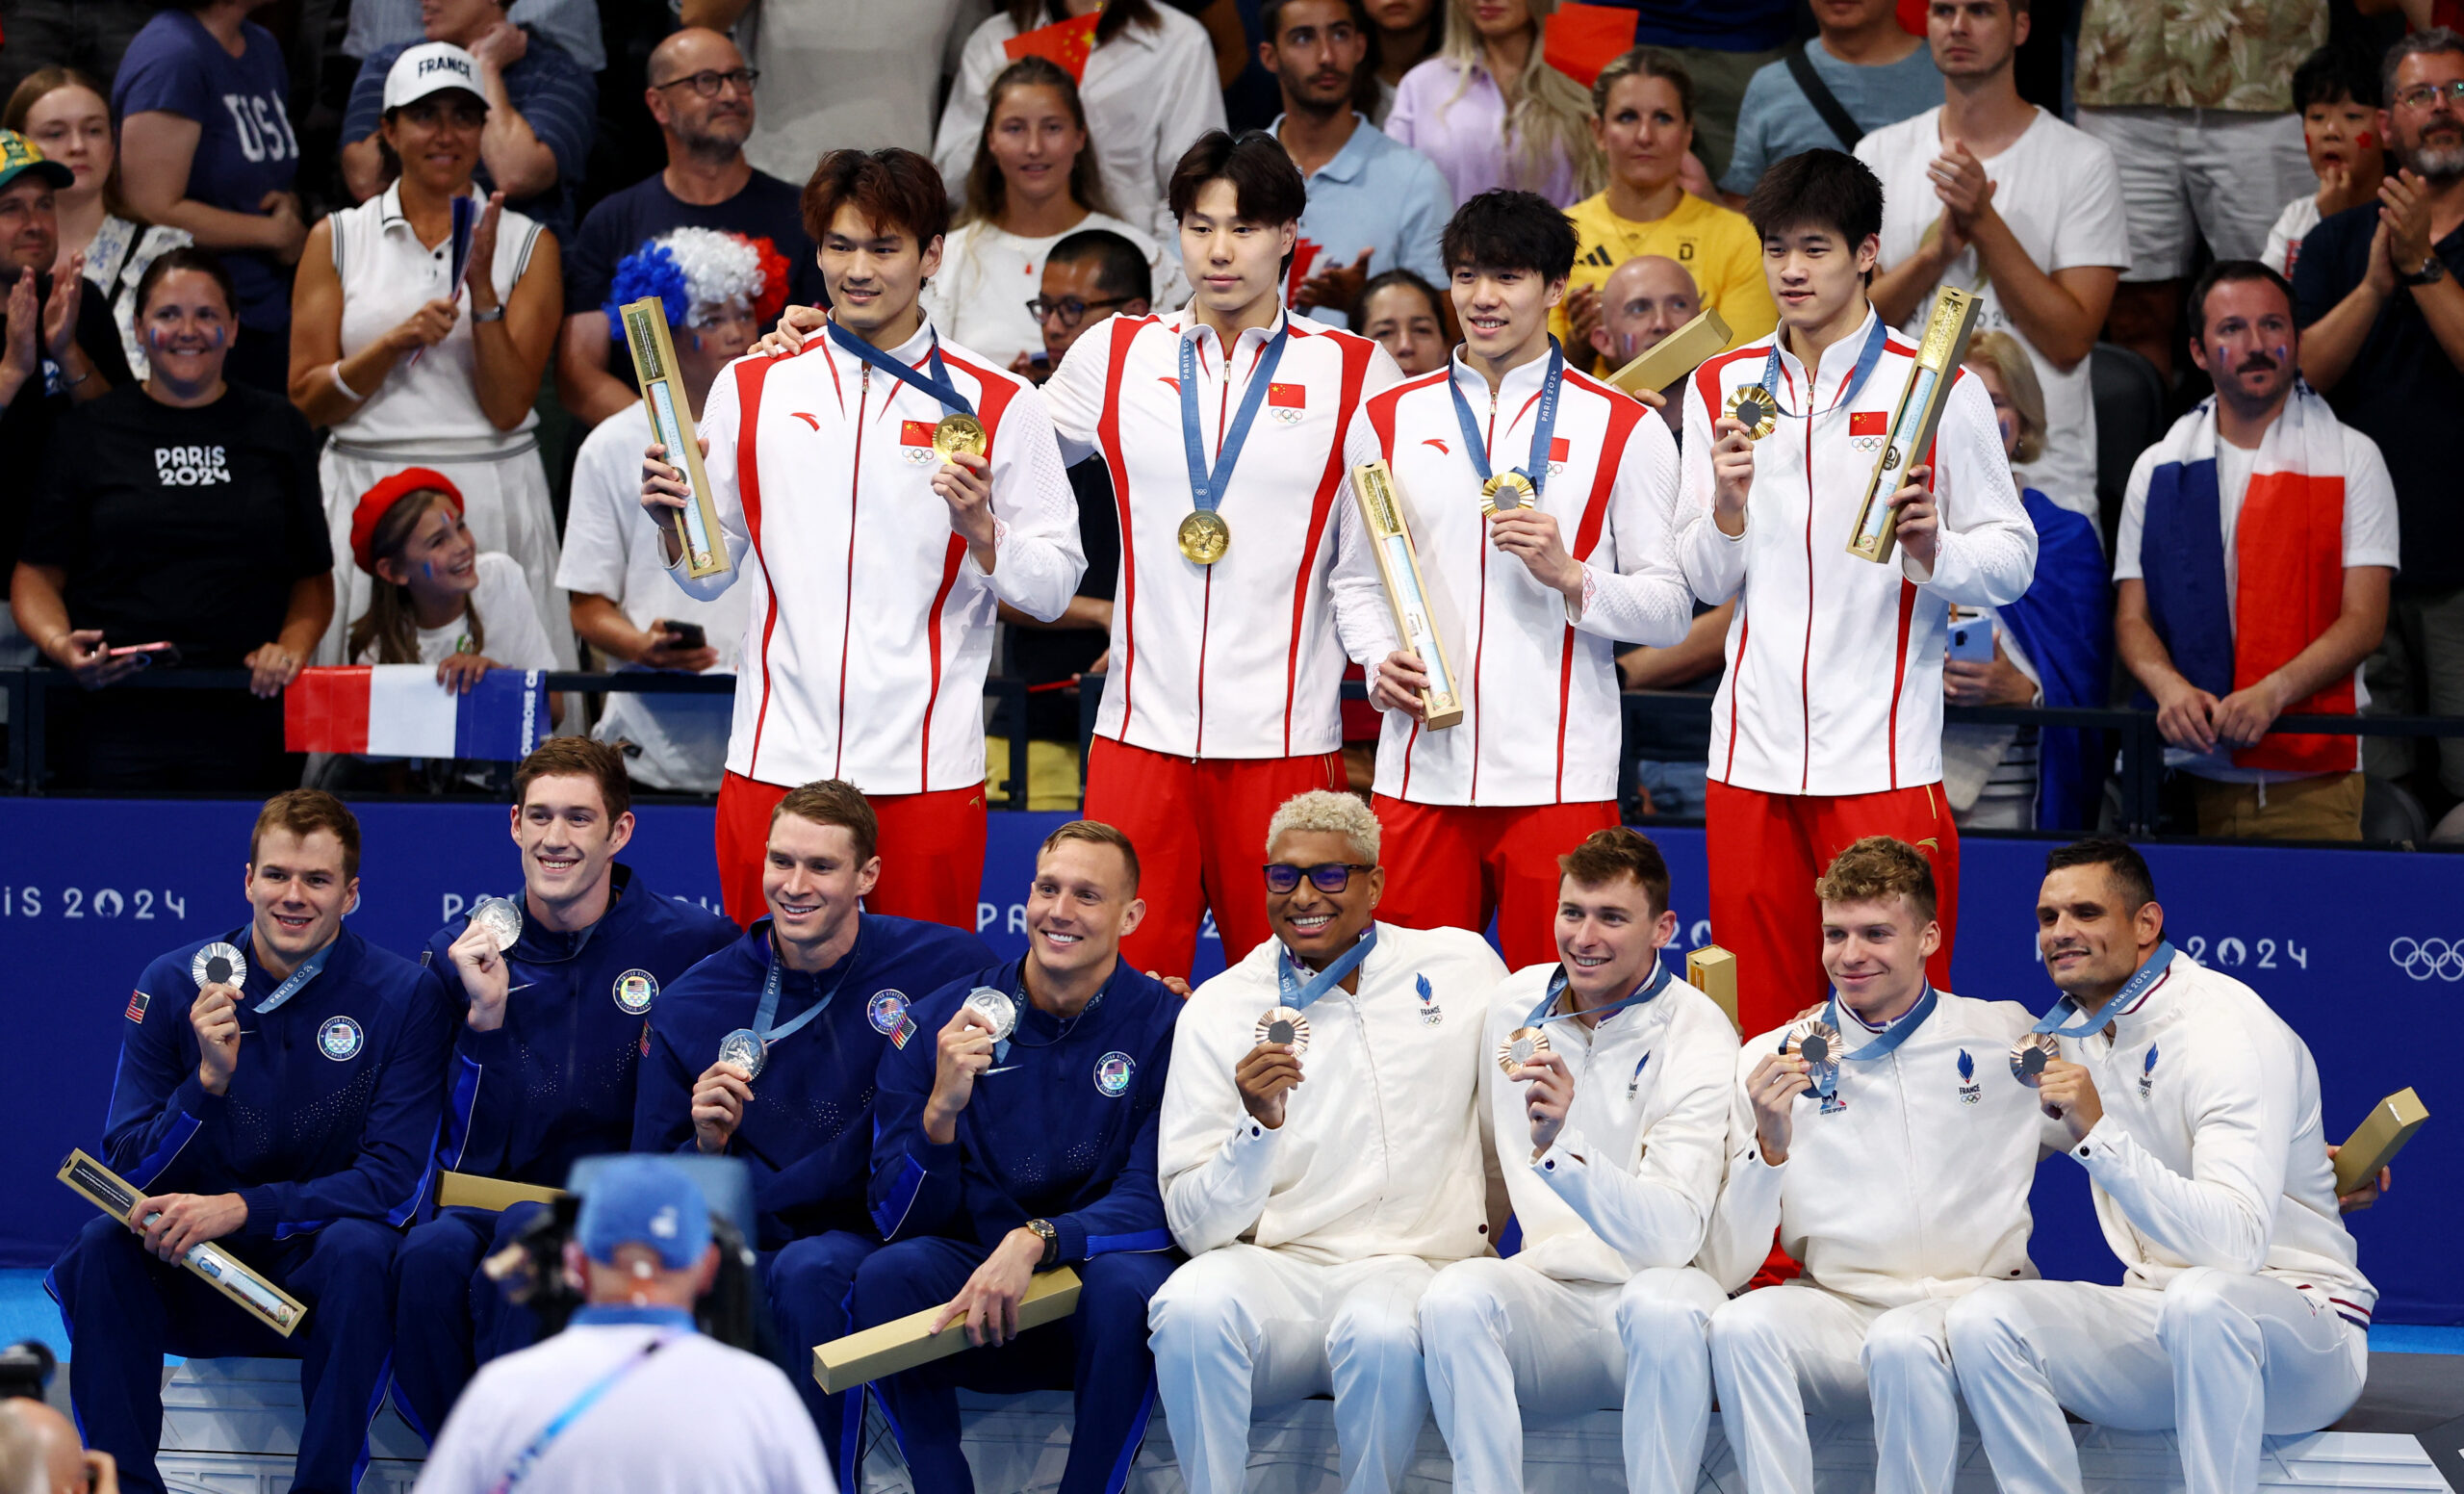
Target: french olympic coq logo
2422	959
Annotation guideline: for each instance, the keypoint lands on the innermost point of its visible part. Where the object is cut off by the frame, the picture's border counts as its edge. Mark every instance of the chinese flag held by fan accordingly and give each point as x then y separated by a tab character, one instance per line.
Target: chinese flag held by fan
1579	41
1065	42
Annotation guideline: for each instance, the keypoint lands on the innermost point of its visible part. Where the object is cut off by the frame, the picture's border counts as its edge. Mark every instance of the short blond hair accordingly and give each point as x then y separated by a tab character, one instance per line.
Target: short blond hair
1876	870
1321	811
1094	832
2001	353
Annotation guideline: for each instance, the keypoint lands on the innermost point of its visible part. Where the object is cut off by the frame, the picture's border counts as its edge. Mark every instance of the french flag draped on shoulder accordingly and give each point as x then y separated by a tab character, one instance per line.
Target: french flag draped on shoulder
399	710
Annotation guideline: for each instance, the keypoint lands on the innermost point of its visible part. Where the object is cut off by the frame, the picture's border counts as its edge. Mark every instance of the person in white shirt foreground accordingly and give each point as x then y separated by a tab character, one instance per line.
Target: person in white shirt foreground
2196	1110
1628	1114
874	561
1895	1165
631	1394
1320	1159
1539	500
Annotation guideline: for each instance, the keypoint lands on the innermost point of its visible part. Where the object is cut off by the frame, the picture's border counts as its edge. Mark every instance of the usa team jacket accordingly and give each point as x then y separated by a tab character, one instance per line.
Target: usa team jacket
1632	1178
1910	1183
1541	720
808	1135
332	1108
555	1082
869	626
2212	1150
1239	659
1380	1151
1835	663
1064	1131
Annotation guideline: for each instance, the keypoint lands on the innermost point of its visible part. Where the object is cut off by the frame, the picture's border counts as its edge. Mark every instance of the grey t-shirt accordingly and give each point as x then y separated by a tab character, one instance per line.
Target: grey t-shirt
1776	121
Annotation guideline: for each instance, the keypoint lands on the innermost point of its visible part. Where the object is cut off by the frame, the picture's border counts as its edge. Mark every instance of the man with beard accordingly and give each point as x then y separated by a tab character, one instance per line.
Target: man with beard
1374	204
700	94
2382	319
2256	543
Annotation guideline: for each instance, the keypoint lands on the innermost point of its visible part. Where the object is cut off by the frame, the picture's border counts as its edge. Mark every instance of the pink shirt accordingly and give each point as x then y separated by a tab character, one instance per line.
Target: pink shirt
1465	132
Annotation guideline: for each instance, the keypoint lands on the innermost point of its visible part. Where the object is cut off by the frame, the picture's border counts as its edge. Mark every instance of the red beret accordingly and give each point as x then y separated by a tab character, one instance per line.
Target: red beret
376	501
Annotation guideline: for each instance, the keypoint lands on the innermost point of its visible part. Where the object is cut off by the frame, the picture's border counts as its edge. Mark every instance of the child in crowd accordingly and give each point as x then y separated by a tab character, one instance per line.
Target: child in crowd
2336	89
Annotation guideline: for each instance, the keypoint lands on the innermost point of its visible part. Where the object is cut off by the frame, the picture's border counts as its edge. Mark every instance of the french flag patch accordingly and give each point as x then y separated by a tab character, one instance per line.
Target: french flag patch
1869	423
137	1004
399	710
1287	402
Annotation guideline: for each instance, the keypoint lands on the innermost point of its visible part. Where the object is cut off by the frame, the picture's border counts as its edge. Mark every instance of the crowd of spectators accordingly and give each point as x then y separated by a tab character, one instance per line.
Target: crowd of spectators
199	223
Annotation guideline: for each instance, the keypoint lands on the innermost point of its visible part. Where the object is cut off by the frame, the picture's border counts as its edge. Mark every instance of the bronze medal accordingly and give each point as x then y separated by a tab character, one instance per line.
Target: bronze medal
1287	1026
1520	1048
2030	1055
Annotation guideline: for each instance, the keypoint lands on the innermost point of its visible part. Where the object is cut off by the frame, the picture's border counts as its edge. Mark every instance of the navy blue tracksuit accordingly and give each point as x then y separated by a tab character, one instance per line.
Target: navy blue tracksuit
808	1135
1062	1131
552	1085
325	1132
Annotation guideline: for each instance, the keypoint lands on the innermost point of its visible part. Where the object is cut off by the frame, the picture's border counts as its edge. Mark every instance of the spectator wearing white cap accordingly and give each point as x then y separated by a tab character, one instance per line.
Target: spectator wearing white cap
407	366
631	1395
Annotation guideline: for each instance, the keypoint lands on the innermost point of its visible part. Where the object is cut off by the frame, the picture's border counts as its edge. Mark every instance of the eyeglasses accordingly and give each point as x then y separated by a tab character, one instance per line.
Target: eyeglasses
2429	94
708	84
1070	308
1325	877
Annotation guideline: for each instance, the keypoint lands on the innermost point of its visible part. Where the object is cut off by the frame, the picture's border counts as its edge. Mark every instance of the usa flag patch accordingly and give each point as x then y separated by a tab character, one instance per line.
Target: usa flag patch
136	1003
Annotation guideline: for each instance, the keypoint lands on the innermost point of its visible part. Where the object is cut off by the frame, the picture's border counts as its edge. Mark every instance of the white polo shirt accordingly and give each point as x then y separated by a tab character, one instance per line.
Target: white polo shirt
1536	677
1239	659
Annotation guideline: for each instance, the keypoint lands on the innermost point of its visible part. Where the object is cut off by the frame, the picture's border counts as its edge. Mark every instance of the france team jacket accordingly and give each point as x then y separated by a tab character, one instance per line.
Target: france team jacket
555	1082
1063	1129
807	1135
332	1108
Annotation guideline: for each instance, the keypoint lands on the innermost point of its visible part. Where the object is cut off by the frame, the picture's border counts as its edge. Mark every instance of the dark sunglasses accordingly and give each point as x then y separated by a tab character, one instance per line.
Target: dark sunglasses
1326	876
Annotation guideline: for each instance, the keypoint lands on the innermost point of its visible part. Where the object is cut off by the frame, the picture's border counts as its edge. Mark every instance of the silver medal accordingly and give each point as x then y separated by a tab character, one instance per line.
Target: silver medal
219	965
502	917
996	1008
744	1048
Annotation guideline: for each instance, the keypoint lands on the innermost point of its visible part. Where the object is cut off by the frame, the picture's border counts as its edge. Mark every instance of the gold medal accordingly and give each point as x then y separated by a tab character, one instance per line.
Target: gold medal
957	433
1753	406
1204	538
1520	1048
1282	1025
1505	493
2030	1055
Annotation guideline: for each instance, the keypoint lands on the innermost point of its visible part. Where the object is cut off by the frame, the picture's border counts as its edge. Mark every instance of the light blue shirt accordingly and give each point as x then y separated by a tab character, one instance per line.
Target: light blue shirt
1377	194
1776	120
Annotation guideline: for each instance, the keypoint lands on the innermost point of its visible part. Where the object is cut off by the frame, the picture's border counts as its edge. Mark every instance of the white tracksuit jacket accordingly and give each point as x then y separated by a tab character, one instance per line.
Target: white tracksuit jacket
870	626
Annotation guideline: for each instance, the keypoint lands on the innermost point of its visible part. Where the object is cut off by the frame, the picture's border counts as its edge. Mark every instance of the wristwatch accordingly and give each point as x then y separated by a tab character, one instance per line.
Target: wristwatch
495	313
1051	1238
2433	269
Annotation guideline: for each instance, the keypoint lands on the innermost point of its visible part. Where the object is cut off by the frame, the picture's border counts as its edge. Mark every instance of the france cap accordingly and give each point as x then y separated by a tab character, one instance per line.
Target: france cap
431	68
644	1201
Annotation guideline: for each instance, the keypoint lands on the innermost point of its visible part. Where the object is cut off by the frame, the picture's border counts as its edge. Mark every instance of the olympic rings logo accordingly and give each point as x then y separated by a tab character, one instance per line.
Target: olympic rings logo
2424	957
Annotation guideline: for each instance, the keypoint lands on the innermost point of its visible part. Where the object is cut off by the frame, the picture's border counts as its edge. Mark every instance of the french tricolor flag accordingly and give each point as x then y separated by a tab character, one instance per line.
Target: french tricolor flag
399	710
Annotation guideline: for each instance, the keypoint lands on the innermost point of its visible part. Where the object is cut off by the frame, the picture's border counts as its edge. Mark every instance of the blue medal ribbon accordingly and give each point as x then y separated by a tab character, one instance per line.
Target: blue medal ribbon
1868	358
1016	989
1207	483
768	1010
936	386
1299	997
2158	965
1891	1037
1536	468
1650	986
309	969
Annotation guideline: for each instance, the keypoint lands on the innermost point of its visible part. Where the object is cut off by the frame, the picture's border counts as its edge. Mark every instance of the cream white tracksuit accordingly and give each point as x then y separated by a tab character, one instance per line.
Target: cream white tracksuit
2241	1312
1907	1191
1627	1186
1312	1242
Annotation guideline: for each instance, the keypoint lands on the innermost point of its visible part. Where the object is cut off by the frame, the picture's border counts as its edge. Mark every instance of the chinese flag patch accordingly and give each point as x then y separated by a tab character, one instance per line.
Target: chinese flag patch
137	1001
1869	423
1287	397
914	432
1556	448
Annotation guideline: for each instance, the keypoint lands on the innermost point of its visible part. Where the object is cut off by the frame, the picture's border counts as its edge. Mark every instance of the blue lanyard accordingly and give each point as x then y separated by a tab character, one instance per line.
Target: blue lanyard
529	1457
937	384
1541	1016
1535	469
1892	1037
768	1010
2159	964
1016	989
309	969
1207	484
1300	997
1868	358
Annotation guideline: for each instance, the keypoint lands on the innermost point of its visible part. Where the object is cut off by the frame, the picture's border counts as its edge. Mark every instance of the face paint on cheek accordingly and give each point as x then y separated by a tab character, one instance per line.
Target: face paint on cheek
2367	139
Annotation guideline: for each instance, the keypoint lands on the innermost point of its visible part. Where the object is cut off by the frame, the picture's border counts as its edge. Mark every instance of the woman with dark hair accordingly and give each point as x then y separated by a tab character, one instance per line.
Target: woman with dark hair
1408	33
69	118
181	523
209	149
1149	85
1034	183
1403	314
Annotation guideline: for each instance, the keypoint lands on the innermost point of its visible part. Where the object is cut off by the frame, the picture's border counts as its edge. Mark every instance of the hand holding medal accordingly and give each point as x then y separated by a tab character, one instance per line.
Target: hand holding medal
1552	1093
967	1047
479	959
220	970
1773	1087
1272	1069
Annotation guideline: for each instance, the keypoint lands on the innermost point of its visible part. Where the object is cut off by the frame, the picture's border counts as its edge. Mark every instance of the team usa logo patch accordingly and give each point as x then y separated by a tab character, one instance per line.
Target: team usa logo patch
138	1001
1970	1091
1288	404
916	443
888	1013
635	990
1431	1014
2148	1072
340	1039
1112	1074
